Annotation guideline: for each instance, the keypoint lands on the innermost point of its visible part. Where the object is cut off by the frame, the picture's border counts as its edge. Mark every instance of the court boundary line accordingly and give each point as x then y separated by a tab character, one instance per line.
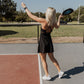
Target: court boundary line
40	73
20	54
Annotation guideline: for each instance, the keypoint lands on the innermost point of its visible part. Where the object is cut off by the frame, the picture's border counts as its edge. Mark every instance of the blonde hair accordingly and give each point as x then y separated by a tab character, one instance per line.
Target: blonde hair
51	16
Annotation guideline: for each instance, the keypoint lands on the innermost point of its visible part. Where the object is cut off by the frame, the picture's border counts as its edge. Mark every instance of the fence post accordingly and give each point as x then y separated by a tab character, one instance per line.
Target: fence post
83	37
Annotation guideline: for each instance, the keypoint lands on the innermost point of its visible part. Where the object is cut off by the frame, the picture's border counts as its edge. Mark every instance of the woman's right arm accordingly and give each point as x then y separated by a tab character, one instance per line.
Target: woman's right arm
57	25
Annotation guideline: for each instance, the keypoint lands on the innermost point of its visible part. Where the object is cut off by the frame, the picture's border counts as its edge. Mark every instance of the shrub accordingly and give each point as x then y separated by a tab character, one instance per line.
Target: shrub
82	18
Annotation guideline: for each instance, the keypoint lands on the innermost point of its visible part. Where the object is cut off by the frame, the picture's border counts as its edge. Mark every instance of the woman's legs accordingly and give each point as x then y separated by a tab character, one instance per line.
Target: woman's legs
51	56
44	63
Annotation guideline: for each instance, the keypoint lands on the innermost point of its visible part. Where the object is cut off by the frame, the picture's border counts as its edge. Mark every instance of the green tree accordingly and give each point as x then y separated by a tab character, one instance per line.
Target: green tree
8	9
39	14
57	14
74	15
82	18
0	11
21	17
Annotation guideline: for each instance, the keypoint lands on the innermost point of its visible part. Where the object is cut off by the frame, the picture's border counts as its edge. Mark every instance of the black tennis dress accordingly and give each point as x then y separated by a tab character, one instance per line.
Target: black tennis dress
45	44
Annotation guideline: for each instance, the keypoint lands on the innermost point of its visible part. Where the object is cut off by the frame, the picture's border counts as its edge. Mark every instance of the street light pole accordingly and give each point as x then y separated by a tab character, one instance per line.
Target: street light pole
39	14
79	15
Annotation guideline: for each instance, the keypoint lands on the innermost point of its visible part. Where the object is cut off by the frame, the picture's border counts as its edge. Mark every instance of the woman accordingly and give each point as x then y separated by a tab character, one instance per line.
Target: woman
45	44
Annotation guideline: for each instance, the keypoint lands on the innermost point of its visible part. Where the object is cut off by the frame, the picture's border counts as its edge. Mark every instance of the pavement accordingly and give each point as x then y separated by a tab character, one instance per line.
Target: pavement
69	55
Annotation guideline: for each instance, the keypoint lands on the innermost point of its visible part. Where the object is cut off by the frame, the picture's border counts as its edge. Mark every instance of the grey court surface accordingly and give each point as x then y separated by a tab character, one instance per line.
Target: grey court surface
70	57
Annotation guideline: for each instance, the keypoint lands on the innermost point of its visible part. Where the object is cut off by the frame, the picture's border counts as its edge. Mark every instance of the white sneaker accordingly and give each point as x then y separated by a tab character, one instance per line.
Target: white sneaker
61	73
46	77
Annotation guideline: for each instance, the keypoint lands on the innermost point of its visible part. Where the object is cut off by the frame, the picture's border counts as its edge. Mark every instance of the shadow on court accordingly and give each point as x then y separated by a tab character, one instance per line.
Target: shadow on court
73	71
7	32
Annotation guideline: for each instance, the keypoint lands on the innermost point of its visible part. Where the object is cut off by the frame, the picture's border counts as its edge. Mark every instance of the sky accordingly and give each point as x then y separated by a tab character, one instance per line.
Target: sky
42	5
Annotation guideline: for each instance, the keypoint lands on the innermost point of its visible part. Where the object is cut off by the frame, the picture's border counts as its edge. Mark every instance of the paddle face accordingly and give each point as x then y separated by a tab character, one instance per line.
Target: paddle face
67	11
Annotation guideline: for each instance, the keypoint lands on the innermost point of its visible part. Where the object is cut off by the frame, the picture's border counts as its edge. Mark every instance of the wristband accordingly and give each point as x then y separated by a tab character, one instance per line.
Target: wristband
25	8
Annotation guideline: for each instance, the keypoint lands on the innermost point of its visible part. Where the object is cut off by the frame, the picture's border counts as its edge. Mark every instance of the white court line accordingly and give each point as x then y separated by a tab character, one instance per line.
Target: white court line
19	54
39	62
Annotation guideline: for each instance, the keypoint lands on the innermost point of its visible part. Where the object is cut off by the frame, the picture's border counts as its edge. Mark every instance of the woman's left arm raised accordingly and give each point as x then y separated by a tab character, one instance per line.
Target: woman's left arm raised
40	20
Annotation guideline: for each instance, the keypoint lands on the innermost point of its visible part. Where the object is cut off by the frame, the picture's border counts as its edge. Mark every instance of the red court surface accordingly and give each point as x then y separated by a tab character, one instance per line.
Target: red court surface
19	69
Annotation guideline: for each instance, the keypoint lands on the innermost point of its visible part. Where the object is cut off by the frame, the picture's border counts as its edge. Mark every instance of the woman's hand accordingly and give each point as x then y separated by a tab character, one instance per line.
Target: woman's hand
60	16
23	5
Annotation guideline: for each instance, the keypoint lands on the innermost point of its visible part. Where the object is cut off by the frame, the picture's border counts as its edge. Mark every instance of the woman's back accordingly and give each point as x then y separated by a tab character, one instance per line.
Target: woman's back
47	28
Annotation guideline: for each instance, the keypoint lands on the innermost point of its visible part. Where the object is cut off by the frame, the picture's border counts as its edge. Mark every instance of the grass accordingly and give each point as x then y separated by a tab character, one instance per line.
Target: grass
22	32
31	31
75	22
69	30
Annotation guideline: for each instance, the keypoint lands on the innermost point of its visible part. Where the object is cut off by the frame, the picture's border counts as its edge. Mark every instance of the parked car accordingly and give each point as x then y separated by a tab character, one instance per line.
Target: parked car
63	22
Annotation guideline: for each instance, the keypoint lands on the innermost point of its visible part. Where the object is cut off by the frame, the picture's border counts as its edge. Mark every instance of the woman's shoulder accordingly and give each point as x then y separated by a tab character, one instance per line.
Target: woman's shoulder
44	24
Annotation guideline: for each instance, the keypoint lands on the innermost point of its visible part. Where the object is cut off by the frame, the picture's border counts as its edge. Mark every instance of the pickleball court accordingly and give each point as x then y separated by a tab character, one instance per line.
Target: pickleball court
16	66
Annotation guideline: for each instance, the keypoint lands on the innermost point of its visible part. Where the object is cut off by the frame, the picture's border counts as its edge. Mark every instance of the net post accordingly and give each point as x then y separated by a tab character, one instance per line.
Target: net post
38	33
